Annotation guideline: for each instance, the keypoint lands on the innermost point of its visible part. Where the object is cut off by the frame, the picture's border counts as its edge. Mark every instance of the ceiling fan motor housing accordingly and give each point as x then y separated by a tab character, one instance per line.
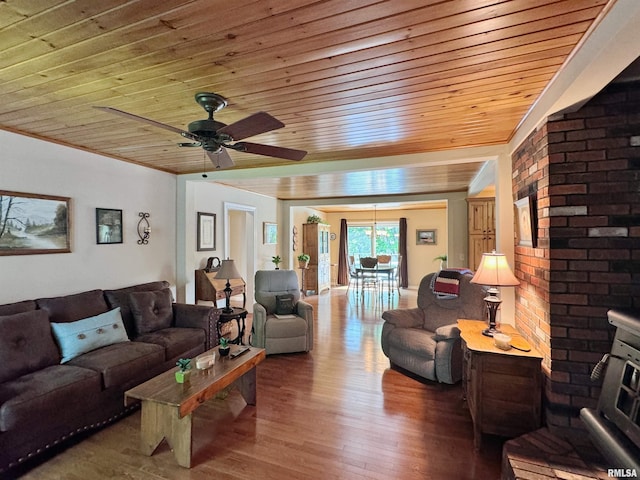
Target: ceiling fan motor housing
205	128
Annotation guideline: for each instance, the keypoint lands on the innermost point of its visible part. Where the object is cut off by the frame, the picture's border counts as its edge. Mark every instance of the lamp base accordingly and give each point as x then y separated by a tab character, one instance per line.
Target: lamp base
490	332
227	296
493	303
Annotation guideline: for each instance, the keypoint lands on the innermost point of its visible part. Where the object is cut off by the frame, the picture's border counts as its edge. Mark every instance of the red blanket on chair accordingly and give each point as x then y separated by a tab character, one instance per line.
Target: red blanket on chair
447	282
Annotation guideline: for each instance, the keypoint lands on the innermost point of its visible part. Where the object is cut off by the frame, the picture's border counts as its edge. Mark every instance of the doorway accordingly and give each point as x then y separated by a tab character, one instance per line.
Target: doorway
240	241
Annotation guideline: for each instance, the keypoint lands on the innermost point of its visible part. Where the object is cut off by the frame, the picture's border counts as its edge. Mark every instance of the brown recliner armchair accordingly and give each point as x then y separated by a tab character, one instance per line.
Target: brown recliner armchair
425	340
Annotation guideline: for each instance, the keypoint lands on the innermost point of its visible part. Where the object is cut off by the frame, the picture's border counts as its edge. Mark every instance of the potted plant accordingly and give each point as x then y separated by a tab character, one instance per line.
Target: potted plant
303	260
224	347
183	375
314	219
443	260
276	261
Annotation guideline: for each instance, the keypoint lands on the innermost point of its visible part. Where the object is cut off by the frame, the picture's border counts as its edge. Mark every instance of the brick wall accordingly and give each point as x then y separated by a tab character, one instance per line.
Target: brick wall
583	169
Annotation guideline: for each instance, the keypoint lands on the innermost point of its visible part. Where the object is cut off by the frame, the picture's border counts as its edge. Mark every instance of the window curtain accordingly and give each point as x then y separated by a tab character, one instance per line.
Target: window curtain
343	260
402	240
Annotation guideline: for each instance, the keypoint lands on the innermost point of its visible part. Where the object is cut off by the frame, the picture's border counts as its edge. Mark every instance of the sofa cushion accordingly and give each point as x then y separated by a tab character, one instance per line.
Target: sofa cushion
175	341
120	298
123	364
151	310
82	336
17	307
37	398
285	304
26	344
74	307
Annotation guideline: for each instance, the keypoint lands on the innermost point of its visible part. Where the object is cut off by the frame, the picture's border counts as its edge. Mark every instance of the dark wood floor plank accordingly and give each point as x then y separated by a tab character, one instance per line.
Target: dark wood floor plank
338	412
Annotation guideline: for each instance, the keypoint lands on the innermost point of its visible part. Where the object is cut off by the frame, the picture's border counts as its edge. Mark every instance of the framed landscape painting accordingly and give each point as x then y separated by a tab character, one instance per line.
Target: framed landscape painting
33	224
426	237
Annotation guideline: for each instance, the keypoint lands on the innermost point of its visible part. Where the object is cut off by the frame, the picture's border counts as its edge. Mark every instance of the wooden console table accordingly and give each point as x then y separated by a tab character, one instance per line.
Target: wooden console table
212	289
503	388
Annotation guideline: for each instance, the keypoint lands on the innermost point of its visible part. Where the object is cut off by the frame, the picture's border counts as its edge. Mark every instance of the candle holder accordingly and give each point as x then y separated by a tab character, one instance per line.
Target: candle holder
144	229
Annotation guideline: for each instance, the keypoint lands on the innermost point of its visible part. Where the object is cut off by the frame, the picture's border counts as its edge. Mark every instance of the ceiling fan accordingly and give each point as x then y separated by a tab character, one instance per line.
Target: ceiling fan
215	137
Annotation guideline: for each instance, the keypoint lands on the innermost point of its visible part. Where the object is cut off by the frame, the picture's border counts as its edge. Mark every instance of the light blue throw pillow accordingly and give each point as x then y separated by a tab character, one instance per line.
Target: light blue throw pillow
82	336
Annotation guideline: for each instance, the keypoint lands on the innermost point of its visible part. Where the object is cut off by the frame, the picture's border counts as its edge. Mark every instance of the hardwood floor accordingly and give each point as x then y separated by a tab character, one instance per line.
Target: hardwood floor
338	412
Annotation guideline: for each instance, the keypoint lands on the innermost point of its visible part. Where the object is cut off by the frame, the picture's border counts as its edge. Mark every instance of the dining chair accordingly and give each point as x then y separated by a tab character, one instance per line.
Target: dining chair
353	273
396	274
385	276
369	277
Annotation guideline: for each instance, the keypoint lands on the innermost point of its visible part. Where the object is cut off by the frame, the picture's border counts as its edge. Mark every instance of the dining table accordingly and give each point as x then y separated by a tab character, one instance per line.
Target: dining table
385	269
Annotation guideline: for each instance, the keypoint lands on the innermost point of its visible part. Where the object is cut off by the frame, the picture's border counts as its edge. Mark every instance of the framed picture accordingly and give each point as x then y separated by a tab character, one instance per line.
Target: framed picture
206	231
426	237
108	226
269	233
526	228
33	224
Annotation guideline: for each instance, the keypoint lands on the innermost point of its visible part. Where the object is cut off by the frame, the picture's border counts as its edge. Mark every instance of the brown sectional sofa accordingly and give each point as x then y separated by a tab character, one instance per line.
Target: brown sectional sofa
44	401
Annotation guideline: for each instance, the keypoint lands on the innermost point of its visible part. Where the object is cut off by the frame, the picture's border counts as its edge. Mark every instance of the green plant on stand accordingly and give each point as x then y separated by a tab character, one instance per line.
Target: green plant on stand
314	219
224	347
443	260
183	375
276	261
303	260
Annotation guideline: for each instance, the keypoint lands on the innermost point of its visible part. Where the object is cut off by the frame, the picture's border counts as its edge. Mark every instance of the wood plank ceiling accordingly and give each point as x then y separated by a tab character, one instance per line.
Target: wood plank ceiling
350	79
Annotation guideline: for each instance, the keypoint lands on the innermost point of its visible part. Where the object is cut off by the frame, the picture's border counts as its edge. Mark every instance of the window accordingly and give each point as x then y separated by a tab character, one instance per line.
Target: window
362	243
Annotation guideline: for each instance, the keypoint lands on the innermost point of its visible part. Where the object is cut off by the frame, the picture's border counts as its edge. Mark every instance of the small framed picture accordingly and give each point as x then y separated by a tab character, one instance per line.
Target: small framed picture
526	228
108	226
206	231
270	233
426	237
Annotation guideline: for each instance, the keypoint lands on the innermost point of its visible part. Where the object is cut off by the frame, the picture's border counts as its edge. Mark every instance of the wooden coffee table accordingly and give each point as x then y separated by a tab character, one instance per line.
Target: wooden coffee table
167	406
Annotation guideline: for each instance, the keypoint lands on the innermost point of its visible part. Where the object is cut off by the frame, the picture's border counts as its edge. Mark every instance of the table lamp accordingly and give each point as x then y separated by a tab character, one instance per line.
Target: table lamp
227	271
494	271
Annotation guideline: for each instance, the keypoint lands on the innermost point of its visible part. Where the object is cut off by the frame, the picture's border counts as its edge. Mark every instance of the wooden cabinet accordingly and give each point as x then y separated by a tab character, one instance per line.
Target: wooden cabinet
503	389
482	229
315	242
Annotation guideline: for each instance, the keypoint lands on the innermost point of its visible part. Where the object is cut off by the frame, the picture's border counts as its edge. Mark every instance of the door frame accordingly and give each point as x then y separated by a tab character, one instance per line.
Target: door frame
251	246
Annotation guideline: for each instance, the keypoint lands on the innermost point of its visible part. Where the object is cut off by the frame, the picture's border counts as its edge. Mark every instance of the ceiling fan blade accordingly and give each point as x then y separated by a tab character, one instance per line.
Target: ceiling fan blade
137	118
255	124
220	159
270	151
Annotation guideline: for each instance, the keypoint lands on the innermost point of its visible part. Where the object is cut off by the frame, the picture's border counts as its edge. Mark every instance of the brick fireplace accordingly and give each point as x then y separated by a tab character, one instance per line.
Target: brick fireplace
583	170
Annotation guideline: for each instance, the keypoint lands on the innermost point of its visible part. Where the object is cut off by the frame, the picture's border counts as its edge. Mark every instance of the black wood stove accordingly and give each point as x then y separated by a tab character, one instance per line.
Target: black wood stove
615	426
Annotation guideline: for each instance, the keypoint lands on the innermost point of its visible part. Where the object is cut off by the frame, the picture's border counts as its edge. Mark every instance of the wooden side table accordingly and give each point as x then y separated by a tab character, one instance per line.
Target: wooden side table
239	315
503	388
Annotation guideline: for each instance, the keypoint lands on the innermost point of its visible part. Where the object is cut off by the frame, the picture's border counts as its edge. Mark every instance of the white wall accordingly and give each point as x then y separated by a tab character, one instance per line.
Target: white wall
201	196
91	181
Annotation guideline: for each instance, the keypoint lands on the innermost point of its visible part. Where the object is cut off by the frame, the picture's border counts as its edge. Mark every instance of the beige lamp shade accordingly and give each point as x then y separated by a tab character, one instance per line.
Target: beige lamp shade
494	271
228	270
